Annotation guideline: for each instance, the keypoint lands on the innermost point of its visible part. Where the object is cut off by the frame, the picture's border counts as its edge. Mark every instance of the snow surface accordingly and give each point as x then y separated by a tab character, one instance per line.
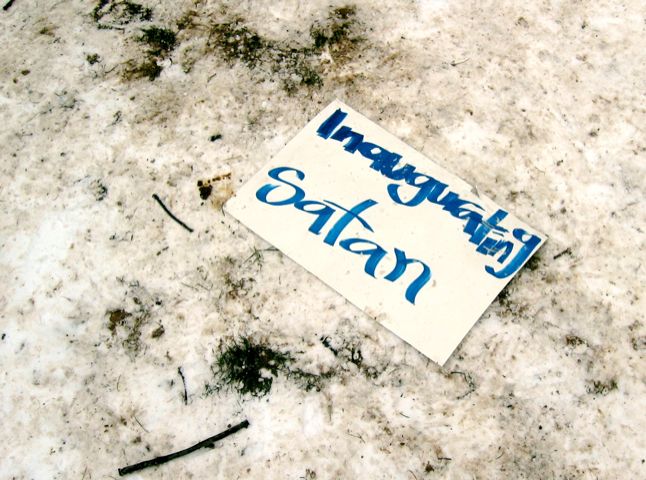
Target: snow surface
539	104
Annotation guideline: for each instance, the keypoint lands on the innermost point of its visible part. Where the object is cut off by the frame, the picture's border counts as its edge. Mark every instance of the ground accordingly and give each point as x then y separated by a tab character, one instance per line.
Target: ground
125	335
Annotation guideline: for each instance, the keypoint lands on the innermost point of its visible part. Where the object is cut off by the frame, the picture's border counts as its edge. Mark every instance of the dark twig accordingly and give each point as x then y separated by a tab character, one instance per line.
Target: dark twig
181	374
170	214
455	64
8	5
469	381
139	423
567	251
208	443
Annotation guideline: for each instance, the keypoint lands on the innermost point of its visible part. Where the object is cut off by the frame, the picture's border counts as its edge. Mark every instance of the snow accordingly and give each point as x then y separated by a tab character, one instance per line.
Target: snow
544	114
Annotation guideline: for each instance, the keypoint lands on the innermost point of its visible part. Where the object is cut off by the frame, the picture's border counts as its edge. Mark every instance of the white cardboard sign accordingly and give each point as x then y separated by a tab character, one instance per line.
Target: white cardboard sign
409	243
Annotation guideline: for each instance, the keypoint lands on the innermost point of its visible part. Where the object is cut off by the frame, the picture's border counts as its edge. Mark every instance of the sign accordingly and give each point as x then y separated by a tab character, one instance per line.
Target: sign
409	243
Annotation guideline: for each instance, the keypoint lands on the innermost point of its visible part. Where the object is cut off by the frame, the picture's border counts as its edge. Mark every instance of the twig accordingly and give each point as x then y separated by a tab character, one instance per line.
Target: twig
455	64
145	429
208	443
106	26
567	251
470	383
181	374
356	436
257	254
8	5
170	214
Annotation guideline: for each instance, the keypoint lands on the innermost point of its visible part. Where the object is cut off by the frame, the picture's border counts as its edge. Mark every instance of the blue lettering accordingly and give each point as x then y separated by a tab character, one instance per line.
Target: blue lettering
344	133
324	213
491	246
529	241
333	121
375	254
378	157
403	173
347	217
479	228
428	189
453	204
424	188
400	267
274	173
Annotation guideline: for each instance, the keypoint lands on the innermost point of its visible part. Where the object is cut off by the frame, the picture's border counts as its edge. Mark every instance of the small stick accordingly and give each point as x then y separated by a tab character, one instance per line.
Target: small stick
455	64
170	214
469	381
181	374
208	443
8	5
567	251
143	428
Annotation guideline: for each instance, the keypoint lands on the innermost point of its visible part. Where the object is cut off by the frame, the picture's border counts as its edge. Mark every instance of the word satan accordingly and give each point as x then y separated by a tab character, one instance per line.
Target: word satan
325	211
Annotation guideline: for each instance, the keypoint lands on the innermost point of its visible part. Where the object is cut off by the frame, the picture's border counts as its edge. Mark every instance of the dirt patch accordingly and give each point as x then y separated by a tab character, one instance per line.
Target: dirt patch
599	387
99	190
337	33
116	318
115	14
160	41
148	68
220	186
333	42
128	322
92	58
293	65
248	367
572	340
350	353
